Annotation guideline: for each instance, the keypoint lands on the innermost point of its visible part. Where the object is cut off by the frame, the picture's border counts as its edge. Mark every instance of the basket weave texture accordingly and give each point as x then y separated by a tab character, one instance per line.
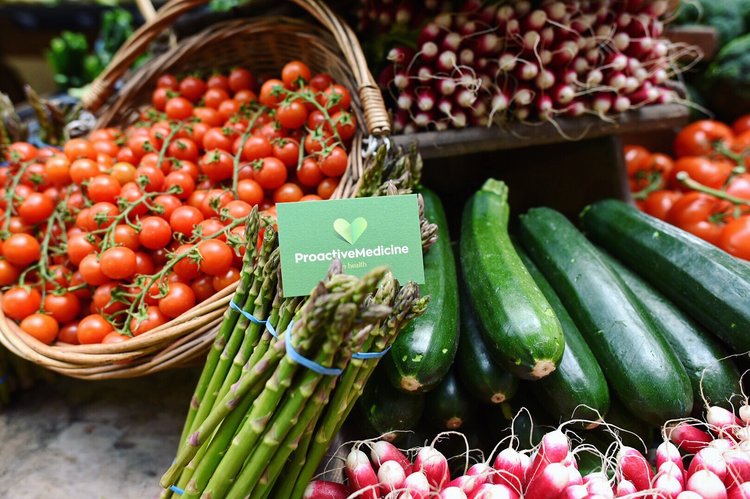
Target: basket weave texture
263	45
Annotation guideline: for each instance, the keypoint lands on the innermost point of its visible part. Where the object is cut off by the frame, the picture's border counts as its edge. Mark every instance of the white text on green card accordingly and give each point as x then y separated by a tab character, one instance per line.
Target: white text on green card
362	233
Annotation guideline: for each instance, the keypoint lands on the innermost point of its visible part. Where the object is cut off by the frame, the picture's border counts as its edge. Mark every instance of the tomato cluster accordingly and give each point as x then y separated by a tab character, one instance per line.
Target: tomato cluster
122	231
705	189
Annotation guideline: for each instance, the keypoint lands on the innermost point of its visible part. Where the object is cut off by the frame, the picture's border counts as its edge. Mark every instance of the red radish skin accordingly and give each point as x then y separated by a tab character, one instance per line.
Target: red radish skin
434	465
466	483
452	493
320	489
549	482
635	468
554	448
507	62
425	100
721	419
382	451
574	476
668	486
741	491
708	485
667	452
708	459
391	476
625	488
738	467
447	61
510	469
361	475
575	492
621	104
429	51
417	485
493	491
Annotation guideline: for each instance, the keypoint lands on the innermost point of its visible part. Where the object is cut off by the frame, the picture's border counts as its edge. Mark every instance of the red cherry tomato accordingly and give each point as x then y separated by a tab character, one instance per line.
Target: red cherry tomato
735	238
20	302
701	137
21	250
658	203
696	213
42	327
92	329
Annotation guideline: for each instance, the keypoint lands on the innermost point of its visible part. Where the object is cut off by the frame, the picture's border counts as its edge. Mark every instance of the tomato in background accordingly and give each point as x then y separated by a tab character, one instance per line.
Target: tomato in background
711	173
658	203
699	214
701	137
741	124
735	239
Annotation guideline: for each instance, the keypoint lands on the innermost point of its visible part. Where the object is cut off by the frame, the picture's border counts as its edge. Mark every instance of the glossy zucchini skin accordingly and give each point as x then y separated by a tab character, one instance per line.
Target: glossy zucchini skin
387	409
448	406
520	328
700	353
424	351
483	378
710	284
578	388
639	364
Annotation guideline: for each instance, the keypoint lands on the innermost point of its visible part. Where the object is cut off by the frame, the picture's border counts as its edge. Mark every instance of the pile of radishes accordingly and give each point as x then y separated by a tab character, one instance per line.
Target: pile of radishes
709	460
492	63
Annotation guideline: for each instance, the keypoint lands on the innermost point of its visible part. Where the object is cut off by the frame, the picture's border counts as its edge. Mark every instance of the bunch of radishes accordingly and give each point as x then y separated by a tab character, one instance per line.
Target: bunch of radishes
493	63
382	16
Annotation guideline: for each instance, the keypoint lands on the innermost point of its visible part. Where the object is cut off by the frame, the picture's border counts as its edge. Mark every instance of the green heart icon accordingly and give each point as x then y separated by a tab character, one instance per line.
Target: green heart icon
350	232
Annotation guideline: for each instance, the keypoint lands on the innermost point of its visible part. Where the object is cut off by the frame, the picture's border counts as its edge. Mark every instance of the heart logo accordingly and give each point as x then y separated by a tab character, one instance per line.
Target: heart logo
350	232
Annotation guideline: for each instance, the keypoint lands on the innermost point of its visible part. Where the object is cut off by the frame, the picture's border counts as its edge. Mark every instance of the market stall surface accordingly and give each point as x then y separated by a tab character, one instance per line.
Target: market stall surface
68	438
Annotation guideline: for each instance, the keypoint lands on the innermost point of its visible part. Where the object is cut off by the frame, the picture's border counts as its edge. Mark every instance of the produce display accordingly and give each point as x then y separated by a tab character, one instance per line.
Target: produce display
120	232
500	62
705	188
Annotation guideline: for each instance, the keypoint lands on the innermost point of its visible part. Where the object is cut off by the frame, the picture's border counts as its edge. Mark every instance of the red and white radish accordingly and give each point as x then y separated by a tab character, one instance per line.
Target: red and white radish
634	467
382	451
549	482
417	485
361	475
509	469
493	491
320	489
434	465
707	484
391	476
708	459
625	488
452	493
741	491
575	492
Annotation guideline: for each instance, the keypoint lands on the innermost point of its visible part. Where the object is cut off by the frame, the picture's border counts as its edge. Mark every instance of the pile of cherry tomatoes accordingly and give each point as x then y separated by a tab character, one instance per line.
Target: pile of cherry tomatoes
122	231
705	188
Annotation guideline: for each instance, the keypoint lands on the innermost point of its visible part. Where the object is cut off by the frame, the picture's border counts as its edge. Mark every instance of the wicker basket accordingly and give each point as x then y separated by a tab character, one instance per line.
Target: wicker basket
263	45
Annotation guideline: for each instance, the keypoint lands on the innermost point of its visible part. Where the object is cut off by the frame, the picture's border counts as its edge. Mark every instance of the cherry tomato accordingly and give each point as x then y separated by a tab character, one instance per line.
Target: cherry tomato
245	96
345	123
255	148
735	238
42	327
658	203
79	148
179	299
21	152
217	81
327	187
57	170
184	219
150	178
334	164
697	213
126	236
228	278
165	204
133	194
68	334
183	149
178	108
155	233
79	247
292	114
21	250
144	264
92	329
218	138
286	150
91	270
159	98
218	165
192	88
739	186
309	173
108	299
167	81
637	158
250	192
236	210
20	302
83	169
700	138
294	74
741	124
272	93
703	170
8	273
115	337
103	214
123	172
186	267
229	108
287	193
118	262
203	287
36	208
154	319
215	96
103	188
241	79
336	98
311	197
321	81
62	307
272	174
216	257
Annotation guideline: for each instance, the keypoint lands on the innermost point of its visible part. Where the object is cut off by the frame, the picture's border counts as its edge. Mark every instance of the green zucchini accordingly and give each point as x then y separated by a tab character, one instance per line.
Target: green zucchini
578	387
700	278
714	379
520	328
423	353
387	409
447	406
483	378
637	361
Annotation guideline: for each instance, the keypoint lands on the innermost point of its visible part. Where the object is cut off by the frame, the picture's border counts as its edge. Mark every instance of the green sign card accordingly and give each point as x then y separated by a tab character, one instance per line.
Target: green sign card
363	233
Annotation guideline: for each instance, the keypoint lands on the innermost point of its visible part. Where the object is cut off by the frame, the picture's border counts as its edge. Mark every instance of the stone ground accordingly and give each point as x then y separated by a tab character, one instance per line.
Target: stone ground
69	438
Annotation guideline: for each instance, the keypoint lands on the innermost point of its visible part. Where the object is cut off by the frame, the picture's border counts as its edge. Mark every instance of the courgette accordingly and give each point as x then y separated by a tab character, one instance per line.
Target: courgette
638	363
448	407
387	409
700	278
423	353
578	387
483	378
701	354
520	328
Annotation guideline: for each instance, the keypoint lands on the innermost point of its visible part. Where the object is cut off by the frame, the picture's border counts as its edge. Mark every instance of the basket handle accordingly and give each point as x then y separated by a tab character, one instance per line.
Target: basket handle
375	114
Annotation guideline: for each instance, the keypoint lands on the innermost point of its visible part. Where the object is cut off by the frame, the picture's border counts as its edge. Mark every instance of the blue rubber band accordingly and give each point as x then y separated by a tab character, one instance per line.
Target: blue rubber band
305	362
370	355
252	318
176	489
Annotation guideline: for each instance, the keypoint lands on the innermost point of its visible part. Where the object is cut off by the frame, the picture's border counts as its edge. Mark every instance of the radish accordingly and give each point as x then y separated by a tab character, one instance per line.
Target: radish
549	482
404	101
545	79
452	493
391	476
451	42
601	104
466	483
510	469
417	485
507	62
382	451
555	10
667	452
688	494
722	444
708	485
527	71
535	21
720	418
423	119
668	486
621	104
361	475
496	491
487	44
738	467
635	468
425	100
320	489
624	488
597	484
574	476
741	491
671	469
481	471
434	465
430	33
400	55
554	448
465	98
523	96
424	74
708	459
447	61
575	492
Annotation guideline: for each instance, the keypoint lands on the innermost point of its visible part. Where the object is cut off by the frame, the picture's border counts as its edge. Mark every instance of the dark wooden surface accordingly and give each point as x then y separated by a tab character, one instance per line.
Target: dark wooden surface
704	37
459	143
